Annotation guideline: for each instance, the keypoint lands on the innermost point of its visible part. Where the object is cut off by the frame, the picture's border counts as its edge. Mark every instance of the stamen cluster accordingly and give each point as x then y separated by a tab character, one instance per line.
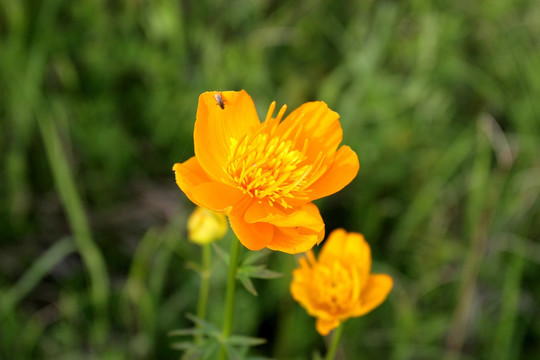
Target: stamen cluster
267	167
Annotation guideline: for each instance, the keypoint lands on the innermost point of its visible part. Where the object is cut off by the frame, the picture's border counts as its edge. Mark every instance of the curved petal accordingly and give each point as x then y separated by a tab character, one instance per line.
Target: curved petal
294	240
342	171
324	326
202	190
254	236
375	292
307	216
315	123
258	211
301	286
349	248
215	126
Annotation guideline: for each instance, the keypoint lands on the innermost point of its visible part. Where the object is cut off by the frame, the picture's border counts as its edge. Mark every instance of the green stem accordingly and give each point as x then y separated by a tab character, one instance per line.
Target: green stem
229	297
505	332
41	267
205	281
90	253
335	342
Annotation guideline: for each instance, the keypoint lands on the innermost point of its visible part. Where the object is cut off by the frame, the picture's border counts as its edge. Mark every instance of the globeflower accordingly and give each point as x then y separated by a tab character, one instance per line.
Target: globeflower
339	285
264	176
205	226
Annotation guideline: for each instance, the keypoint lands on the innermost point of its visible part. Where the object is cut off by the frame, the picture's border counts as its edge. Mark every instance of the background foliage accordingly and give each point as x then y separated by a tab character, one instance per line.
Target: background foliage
439	99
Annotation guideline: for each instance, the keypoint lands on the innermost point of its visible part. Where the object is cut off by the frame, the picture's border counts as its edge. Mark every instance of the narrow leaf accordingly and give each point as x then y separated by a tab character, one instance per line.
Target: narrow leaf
248	285
221	253
266	274
207	326
240	340
253	256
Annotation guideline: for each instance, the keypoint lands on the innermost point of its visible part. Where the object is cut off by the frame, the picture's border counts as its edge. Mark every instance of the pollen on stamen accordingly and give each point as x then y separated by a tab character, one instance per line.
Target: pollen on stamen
269	168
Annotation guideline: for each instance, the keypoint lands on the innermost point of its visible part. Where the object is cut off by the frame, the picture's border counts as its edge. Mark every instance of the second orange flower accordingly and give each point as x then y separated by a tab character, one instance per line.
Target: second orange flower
264	176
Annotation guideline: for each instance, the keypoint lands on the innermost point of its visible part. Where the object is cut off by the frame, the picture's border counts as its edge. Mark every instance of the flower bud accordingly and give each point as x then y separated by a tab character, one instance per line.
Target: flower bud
205	226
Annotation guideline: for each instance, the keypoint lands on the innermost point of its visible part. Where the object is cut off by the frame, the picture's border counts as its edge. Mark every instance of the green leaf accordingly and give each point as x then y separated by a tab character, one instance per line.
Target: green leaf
193	354
187	332
209	327
253	256
240	340
258	271
232	353
210	350
222	253
248	285
246	272
266	274
183	345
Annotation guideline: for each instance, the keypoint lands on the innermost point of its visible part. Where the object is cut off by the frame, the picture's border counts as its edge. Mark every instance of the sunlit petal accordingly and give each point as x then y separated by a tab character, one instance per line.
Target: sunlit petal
202	190
254	236
347	247
375	292
315	123
324	326
342	171
307	216
294	240
215	127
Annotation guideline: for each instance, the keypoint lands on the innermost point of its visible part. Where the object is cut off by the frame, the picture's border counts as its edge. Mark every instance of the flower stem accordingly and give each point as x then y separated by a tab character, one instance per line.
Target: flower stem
72	202
229	296
335	342
205	282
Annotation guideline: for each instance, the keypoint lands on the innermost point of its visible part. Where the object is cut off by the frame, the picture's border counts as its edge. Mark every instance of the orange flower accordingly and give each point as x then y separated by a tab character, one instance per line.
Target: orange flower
339	285
264	176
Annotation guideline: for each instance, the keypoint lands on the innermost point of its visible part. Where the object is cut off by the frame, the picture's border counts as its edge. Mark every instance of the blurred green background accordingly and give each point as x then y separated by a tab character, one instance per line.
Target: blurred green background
440	100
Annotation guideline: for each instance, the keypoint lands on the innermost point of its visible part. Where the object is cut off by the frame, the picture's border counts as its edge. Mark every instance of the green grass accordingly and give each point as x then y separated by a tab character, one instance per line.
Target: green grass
439	99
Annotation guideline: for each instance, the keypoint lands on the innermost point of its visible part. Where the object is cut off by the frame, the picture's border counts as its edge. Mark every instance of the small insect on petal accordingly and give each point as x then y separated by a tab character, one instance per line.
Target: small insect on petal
219	100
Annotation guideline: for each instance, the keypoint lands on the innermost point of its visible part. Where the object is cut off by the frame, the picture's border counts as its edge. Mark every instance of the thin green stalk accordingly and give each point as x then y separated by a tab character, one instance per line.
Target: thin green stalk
205	281
229	297
41	267
71	200
137	302
335	342
477	220
505	334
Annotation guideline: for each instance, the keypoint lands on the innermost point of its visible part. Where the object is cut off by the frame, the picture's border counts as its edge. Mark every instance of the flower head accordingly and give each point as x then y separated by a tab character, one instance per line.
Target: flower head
339	285
264	176
205	226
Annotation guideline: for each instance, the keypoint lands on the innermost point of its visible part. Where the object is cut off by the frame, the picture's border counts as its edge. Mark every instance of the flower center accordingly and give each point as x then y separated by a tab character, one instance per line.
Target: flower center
267	167
340	286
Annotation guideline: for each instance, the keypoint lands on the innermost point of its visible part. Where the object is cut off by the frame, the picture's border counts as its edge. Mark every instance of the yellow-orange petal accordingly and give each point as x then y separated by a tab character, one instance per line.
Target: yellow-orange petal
324	326
307	216
375	292
349	248
341	172
315	123
306	285
299	291
202	190
294	240
215	126
254	236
